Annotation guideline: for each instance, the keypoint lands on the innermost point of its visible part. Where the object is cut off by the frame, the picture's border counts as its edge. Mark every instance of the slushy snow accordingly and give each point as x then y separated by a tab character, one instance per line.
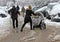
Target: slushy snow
4	24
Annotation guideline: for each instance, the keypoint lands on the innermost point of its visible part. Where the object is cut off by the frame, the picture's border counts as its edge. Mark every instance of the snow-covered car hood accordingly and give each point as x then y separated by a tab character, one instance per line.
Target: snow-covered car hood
55	10
41	9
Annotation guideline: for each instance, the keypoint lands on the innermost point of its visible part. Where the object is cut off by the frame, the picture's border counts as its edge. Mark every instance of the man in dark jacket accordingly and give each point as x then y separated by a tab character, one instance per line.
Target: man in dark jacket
14	15
27	18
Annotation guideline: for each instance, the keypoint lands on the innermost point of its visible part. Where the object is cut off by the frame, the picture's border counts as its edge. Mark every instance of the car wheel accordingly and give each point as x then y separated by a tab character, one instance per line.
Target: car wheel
43	25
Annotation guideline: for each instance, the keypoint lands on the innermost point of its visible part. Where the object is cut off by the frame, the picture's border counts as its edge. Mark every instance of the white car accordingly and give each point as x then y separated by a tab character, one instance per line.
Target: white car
49	10
38	21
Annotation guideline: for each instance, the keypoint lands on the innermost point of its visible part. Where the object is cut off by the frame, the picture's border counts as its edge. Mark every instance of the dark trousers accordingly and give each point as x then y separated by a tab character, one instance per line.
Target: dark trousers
13	20
25	24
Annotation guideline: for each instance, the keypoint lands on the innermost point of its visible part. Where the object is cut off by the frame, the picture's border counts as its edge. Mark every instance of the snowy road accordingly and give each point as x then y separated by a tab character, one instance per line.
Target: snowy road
4	26
27	35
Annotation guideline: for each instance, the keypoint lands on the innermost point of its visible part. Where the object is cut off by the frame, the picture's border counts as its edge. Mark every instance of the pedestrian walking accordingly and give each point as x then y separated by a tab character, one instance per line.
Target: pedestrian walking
23	10
14	15
27	18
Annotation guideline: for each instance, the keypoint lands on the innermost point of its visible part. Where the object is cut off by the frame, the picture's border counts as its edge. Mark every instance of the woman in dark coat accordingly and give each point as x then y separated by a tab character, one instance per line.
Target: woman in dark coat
27	18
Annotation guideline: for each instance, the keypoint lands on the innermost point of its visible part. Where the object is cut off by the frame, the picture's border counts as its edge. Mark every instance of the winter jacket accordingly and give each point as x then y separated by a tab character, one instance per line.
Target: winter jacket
28	15
14	12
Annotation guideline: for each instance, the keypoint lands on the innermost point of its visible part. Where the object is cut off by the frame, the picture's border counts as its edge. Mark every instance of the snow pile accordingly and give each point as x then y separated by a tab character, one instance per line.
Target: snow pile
2	11
50	23
5	20
4	24
57	25
3	7
55	10
55	3
56	38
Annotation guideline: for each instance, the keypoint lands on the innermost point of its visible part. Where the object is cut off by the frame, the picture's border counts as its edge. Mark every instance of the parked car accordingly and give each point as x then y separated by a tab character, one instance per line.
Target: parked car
44	12
47	10
38	21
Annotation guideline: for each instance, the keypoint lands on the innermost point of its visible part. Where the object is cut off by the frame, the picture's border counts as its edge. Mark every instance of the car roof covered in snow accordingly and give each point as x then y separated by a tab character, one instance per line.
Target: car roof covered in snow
2	11
55	3
55	10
